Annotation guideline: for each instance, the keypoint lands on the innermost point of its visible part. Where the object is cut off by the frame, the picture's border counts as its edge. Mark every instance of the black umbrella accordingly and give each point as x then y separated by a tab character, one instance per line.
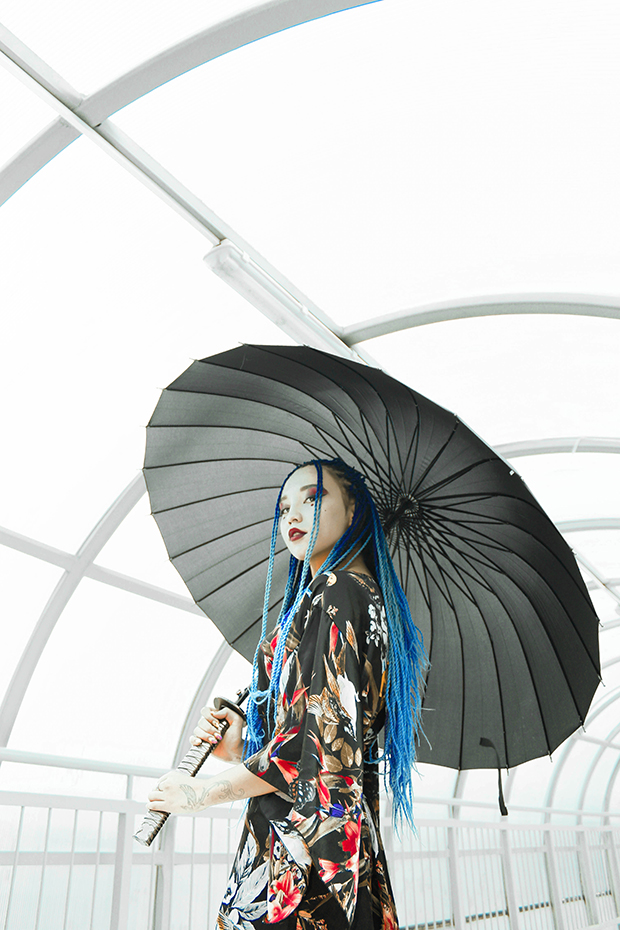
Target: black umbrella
507	622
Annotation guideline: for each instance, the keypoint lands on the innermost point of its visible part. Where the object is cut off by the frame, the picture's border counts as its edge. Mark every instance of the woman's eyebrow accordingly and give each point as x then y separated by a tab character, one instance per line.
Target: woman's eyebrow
305	488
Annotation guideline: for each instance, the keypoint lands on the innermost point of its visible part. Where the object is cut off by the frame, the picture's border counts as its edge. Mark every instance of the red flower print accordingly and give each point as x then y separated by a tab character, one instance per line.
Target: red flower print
328	870
352	830
352	845
284	896
323	792
288	769
333	637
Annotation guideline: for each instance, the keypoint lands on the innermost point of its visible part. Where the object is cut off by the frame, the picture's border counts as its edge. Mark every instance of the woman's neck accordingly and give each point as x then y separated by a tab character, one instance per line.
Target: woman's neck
357	565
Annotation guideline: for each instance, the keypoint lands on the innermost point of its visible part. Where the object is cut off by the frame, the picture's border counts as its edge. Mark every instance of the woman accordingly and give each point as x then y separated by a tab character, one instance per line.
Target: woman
344	659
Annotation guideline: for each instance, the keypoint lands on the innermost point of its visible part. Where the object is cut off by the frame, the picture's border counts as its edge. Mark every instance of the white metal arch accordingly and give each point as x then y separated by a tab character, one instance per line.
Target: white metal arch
492	305
572	741
203	692
297	315
71	578
88	116
605	745
562	444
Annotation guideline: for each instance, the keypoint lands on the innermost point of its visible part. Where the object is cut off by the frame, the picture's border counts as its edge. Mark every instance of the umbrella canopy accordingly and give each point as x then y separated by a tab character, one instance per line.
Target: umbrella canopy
507	622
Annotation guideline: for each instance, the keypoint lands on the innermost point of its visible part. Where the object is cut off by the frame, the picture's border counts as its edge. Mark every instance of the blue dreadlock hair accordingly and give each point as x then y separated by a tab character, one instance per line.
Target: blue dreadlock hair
406	657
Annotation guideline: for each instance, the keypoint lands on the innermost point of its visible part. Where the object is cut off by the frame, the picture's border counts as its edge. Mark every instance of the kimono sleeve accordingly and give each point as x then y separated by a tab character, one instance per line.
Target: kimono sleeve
316	753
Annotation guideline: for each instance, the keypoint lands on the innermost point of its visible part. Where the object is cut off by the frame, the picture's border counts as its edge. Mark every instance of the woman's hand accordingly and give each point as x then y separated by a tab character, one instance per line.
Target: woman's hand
178	793
228	748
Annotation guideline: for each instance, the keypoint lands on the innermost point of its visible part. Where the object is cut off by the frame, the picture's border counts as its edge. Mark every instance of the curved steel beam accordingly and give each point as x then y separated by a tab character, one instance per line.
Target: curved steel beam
319	330
569	745
203	693
594	573
68	561
226	36
605	744
71	578
596	523
511	450
492	305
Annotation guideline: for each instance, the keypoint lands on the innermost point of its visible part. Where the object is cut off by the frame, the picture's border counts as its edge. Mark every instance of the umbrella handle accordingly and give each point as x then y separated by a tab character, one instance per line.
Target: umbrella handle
190	763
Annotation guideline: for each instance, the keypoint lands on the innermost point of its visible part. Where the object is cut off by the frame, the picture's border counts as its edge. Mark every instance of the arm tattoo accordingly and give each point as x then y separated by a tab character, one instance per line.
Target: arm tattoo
193	801
226	793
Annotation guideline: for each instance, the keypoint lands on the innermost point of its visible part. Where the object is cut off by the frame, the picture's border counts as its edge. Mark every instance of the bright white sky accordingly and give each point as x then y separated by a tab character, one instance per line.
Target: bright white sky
383	158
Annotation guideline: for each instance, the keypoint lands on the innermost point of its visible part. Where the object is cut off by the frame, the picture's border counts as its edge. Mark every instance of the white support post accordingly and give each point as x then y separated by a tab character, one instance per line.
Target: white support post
554	886
165	878
587	881
458	912
122	872
509	885
612	859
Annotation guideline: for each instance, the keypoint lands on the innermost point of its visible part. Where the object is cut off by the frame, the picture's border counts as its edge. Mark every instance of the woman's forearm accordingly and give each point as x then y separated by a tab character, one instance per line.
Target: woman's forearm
179	793
233	785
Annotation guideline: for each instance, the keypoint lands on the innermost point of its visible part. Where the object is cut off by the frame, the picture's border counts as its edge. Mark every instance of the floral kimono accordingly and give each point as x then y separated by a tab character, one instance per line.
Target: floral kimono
311	856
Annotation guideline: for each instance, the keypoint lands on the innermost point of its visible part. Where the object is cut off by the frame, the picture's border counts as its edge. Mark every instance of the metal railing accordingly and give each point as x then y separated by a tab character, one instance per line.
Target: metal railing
70	863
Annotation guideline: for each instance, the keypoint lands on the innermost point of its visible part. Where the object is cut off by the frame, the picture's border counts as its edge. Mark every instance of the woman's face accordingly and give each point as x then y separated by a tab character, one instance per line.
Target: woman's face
297	514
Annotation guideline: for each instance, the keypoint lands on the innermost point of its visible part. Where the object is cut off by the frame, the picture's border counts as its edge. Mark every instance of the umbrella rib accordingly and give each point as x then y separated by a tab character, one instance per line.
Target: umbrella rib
411	456
218	497
207	542
369	384
337	362
346	442
379	469
542	625
493	543
440	533
244	458
435	458
250	625
424	547
423	588
471	596
474	556
450	479
245	571
450	602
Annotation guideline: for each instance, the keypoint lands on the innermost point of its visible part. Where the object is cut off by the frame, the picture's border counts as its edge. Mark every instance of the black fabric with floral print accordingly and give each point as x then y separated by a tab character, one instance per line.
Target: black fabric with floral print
311	856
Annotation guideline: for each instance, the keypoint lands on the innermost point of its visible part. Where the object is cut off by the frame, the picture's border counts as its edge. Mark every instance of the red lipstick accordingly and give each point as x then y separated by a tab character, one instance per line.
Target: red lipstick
294	533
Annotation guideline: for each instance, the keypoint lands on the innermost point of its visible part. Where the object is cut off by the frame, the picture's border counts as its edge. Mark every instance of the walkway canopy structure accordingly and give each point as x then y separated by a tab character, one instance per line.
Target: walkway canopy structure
429	187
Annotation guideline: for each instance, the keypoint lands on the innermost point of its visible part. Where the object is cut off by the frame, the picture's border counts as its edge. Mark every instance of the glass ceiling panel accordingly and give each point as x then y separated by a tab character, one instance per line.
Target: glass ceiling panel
604	716
48	779
91	45
110	301
515	378
599	781
409	156
607	607
116	679
570	781
26	586
527	784
23	115
611	641
602	548
137	549
575	487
